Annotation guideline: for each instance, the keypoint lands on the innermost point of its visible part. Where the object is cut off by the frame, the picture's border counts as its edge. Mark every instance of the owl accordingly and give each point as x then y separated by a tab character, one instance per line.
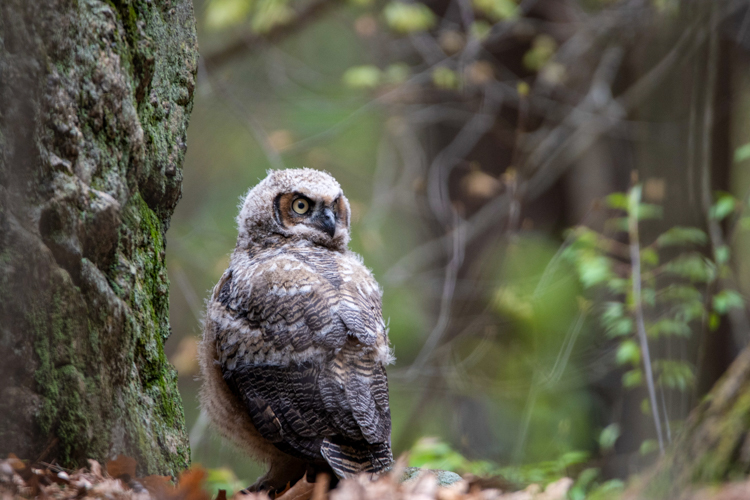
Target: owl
294	345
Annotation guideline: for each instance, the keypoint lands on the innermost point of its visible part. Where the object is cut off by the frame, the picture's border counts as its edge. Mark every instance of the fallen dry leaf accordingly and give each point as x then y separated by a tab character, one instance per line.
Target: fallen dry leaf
302	490
320	491
20	480
157	486
190	485
122	467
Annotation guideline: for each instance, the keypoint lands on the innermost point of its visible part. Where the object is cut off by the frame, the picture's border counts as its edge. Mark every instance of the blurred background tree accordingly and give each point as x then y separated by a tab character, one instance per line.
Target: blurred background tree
471	136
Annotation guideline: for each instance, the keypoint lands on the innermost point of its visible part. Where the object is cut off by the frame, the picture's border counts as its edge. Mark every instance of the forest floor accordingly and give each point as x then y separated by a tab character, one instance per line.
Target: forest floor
117	480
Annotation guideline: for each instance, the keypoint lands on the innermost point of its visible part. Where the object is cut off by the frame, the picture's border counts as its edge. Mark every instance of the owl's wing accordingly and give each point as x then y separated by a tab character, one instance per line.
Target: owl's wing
303	356
354	392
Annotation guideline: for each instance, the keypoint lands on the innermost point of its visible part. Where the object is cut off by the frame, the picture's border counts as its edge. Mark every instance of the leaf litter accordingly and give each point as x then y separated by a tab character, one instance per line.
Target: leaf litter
118	480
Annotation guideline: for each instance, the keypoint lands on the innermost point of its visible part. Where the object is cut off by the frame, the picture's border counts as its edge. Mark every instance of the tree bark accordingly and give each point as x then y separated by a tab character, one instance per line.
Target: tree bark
715	443
94	102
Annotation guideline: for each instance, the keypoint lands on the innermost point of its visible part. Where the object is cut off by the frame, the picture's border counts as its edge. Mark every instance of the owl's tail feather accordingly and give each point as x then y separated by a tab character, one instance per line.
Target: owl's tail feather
348	458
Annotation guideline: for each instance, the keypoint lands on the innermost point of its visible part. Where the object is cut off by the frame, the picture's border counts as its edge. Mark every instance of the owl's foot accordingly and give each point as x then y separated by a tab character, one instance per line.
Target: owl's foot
261	485
283	473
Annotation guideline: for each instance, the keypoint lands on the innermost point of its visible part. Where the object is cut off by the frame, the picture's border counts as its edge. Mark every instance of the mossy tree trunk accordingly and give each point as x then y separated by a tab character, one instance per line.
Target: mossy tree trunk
94	102
714	446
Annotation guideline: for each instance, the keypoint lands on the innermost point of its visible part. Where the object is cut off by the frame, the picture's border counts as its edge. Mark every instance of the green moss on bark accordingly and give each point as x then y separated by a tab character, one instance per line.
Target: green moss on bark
714	445
93	126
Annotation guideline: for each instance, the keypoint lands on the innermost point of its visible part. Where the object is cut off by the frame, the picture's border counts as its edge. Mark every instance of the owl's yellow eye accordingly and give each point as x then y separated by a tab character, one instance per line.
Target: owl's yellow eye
300	206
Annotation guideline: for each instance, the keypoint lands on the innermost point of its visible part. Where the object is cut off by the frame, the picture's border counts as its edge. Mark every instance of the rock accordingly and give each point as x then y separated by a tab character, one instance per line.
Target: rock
444	477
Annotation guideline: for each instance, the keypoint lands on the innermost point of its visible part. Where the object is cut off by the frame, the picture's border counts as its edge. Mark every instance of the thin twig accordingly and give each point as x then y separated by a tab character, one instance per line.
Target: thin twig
188	292
587	128
635	257
243	114
449	285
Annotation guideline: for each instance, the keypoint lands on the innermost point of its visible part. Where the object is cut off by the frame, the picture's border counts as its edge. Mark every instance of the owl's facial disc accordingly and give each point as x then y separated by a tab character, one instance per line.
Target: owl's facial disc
297	213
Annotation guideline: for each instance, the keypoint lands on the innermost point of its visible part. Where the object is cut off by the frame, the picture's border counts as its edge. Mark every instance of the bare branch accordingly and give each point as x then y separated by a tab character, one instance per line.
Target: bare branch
237	107
248	41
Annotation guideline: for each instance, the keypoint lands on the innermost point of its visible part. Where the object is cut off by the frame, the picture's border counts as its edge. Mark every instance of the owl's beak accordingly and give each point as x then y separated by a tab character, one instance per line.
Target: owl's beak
326	221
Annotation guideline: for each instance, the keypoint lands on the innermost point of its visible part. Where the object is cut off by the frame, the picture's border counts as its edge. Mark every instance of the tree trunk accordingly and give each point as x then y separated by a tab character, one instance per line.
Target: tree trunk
715	443
94	102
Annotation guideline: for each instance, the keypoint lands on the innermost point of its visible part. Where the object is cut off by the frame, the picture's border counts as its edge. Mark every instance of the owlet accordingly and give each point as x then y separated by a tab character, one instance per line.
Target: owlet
294	345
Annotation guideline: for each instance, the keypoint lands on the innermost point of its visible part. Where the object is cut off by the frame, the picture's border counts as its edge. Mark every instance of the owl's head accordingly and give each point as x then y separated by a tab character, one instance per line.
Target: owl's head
296	204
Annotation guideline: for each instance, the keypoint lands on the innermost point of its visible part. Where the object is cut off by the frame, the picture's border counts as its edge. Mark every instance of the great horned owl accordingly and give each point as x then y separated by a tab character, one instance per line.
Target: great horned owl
294	345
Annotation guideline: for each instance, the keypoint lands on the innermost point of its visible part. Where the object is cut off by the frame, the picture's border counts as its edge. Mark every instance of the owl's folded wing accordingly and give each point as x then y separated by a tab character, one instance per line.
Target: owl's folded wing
306	361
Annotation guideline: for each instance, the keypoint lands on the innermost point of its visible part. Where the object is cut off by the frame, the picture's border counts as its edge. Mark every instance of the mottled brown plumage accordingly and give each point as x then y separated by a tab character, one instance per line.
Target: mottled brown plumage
294	346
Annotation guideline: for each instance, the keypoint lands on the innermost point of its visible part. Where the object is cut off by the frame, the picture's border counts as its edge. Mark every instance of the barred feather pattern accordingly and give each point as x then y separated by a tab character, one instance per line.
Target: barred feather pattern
298	332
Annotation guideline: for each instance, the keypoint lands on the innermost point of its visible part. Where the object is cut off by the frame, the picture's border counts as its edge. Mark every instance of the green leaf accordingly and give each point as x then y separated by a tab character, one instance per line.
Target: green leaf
742	153
679	235
726	300
222	479
628	352
497	10
648	296
632	378
618	285
620	328
431	453
594	269
725	204
480	29
585	238
649	446
608	436
645	407
668	326
362	77
689	311
269	14
583	482
571	458
224	13
617	201
445	78
674	374
692	266
614	321
542	49
617	224
714	320
679	293
607	490
722	254
649	257
649	211
612	312
408	17
397	73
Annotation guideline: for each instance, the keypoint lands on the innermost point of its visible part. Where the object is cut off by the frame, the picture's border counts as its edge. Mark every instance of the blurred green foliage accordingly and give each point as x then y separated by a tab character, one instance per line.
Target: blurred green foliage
404	17
678	292
431	453
560	307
